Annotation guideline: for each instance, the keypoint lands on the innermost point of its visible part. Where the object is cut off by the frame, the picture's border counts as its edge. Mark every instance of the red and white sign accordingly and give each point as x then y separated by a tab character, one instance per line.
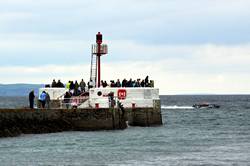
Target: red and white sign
121	94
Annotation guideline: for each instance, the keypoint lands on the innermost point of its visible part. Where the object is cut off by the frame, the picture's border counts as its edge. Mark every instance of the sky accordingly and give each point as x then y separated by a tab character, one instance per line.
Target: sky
185	46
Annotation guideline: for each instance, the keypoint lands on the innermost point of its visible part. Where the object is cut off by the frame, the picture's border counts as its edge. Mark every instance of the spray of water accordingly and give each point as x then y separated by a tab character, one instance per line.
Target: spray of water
176	107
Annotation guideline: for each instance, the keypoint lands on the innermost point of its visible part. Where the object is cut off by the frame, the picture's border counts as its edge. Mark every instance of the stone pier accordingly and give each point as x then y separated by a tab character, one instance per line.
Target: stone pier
145	116
14	122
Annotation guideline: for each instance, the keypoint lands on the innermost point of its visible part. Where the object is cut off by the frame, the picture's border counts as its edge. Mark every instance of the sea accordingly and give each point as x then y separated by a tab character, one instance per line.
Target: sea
188	136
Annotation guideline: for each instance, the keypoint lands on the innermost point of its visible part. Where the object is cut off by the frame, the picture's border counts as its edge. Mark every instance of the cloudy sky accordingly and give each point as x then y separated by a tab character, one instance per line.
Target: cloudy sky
186	46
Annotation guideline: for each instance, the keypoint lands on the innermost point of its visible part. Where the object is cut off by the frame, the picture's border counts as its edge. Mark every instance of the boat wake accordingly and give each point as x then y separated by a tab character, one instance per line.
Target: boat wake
176	107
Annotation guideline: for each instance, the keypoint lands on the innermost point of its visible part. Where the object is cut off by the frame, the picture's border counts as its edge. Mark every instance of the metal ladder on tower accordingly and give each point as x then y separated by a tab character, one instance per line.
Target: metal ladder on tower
93	68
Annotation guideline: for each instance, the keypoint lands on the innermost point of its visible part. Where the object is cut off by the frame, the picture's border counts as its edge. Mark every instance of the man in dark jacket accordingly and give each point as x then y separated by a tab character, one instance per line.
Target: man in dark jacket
47	100
59	84
82	85
53	85
146	82
31	99
66	99
124	82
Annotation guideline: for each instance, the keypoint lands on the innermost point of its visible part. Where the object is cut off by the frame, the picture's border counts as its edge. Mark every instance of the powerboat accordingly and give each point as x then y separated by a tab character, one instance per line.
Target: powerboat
206	105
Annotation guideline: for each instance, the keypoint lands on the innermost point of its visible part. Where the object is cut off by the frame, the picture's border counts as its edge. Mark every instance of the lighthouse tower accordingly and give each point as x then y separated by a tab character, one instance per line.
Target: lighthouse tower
97	51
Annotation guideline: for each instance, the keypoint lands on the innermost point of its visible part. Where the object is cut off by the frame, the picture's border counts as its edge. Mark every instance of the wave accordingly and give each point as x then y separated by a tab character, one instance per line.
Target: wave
176	107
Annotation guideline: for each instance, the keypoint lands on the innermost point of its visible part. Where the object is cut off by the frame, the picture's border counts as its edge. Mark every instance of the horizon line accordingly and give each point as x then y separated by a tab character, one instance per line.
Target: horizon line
176	94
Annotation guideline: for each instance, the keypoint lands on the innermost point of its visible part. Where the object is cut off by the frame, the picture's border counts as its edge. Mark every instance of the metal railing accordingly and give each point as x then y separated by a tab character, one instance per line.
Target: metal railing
73	102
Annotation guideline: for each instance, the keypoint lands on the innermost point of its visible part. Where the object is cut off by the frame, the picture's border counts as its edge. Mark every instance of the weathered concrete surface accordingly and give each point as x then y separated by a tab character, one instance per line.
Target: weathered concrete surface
53	104
145	116
14	122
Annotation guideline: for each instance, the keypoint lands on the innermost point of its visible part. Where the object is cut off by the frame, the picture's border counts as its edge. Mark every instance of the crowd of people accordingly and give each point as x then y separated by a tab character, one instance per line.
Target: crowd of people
71	85
76	89
44	99
129	83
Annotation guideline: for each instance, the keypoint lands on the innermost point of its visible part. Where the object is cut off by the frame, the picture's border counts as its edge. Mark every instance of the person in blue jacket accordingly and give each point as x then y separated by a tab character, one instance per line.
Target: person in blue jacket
42	98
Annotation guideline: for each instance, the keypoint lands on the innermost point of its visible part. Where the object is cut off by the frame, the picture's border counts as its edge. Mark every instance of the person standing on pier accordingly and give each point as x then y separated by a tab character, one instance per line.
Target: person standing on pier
42	98
31	99
66	99
47	100
82	85
53	85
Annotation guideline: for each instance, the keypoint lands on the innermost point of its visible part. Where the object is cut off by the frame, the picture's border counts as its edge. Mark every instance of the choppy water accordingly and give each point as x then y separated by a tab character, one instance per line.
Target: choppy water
188	137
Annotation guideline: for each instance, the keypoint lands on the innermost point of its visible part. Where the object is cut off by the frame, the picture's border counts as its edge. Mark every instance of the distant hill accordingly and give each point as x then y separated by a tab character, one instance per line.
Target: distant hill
18	89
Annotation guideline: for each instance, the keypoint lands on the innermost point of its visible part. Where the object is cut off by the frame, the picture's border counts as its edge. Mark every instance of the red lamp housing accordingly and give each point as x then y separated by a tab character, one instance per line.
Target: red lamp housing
99	38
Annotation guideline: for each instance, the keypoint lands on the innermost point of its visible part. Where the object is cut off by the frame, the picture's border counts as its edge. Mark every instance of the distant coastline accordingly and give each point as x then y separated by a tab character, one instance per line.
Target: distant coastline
23	89
18	89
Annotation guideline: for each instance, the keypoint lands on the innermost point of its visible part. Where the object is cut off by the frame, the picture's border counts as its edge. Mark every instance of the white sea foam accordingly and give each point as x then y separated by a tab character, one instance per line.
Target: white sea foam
176	107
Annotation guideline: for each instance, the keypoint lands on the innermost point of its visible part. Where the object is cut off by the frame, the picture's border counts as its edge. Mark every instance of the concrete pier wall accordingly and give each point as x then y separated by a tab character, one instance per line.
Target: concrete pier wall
14	122
145	116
